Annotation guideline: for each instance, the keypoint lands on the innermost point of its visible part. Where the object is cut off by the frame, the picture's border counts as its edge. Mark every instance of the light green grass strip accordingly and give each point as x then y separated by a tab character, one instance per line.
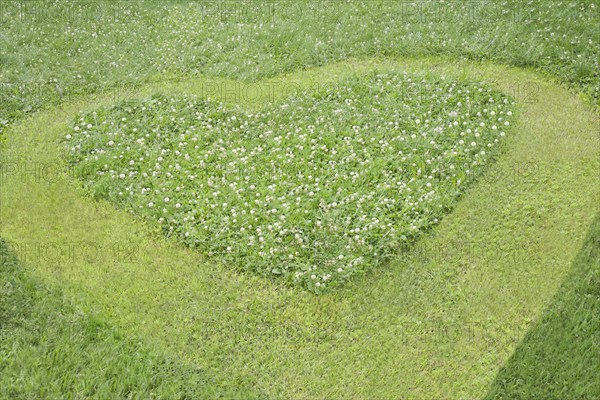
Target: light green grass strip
362	341
558	358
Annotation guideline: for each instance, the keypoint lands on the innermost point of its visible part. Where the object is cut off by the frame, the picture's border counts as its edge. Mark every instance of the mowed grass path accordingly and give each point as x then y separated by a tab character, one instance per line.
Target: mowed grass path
436	324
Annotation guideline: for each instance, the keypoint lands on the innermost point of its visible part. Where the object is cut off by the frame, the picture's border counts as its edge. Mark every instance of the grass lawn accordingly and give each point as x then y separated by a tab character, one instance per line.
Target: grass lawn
51	349
181	185
558	358
424	326
308	189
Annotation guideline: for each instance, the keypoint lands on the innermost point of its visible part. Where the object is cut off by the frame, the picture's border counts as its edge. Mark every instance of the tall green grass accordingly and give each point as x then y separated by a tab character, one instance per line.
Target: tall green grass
55	50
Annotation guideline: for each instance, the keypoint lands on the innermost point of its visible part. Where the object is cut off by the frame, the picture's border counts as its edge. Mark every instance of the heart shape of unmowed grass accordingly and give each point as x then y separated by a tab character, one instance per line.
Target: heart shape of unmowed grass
316	188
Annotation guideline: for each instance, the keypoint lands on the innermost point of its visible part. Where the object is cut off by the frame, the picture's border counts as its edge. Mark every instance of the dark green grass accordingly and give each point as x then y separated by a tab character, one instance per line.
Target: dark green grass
560	357
51	350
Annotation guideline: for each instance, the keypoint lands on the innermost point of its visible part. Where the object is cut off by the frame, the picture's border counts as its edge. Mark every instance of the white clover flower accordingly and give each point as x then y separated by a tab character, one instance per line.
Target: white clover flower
68	137
110	143
248	213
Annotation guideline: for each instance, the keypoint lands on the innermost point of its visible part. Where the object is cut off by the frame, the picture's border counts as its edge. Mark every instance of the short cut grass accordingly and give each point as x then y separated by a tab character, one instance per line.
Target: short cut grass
559	357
